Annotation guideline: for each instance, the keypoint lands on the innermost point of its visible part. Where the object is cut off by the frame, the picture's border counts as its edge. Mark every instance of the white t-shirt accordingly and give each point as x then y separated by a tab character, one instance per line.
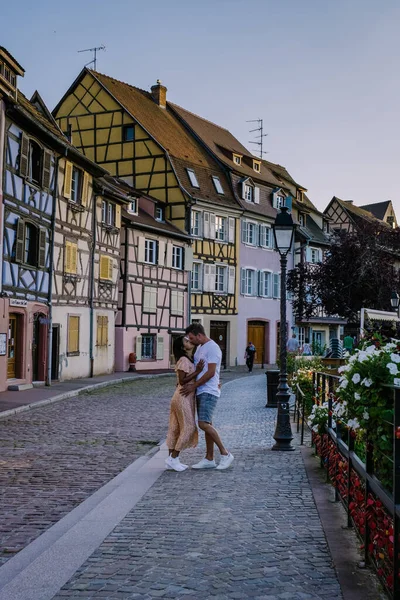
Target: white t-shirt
211	353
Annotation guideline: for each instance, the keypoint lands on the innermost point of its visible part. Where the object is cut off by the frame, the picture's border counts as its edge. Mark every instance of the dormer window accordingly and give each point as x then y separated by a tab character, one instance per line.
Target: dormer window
159	214
256	166
217	184
248	193
192	178
237	159
132	206
299	195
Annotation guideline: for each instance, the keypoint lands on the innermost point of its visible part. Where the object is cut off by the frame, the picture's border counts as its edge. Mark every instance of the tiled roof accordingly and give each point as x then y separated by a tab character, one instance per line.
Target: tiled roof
143	219
42	119
378	209
315	232
357	212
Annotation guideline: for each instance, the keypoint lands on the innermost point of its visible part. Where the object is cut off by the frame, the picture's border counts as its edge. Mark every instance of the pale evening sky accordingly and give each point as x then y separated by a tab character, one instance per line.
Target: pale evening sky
323	74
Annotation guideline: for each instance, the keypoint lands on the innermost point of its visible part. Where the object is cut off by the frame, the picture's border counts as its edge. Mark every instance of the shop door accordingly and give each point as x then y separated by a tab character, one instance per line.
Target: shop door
256	334
12	347
218	333
55	352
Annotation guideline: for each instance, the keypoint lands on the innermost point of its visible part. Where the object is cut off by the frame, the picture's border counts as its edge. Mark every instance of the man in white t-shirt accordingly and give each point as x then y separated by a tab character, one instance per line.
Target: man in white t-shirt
207	393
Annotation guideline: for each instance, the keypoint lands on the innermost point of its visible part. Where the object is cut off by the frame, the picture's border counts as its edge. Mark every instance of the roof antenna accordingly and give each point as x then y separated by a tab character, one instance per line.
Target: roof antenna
260	137
94	59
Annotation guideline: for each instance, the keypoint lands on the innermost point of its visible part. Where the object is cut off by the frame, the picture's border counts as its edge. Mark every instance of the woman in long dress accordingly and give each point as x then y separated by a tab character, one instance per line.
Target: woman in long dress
182	431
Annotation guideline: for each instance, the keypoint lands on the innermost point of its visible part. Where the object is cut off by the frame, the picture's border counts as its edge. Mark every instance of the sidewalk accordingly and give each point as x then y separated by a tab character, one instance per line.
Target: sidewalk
252	531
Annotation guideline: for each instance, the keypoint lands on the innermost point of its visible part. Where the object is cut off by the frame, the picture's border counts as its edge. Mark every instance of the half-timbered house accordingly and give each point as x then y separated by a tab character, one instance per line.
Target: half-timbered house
345	215
135	135
154	304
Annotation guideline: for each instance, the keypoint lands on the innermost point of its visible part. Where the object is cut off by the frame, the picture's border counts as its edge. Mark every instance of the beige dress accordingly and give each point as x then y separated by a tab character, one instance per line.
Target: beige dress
182	431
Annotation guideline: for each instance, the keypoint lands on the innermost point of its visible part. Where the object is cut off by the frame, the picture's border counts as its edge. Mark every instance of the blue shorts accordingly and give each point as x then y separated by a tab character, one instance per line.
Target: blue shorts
206	404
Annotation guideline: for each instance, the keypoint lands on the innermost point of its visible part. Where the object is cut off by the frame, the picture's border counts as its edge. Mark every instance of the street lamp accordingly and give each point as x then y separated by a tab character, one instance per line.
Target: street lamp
395	301
284	229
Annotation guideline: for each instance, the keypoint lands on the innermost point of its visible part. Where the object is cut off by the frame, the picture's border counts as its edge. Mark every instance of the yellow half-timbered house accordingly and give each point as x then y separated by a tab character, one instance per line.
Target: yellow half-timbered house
137	137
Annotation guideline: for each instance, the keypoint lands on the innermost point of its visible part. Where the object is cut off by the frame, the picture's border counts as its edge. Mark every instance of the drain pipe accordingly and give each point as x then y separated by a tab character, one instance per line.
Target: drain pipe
91	293
51	274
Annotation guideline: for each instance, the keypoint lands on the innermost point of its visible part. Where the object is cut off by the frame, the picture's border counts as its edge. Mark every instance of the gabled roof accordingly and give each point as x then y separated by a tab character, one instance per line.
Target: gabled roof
40	105
355	212
315	232
378	209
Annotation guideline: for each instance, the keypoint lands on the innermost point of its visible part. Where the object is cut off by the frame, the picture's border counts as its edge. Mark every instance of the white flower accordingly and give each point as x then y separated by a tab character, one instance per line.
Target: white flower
389	346
392	368
353	423
370	349
361	356
343	384
395	358
396	381
357	396
356	378
343	368
367	382
366	415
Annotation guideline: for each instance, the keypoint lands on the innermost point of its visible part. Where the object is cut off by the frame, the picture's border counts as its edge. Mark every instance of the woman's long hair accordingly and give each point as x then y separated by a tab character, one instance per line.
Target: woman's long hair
178	348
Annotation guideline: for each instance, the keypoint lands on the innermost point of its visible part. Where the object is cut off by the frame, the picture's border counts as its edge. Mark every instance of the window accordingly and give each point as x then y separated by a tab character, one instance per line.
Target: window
237	159
30	244
195	228
159	213
148	346
73	335
177	257
280	201
247	284
150	251
266	236
301	219
108	211
76	185
149	299
217	185
220	279
326	226
177	302
266	290
35	162
276	285
248	193
256	166
132	206
220	228
192	178
314	255
106	268
102	331
251	234
128	133
196	277
70	258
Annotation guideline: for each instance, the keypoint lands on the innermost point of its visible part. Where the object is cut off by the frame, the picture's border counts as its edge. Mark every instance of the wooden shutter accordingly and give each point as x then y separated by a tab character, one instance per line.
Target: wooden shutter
181	303
212	278
153	299
168	261
244	231
174	302
68	179
288	203
260	282
110	268
212	234
42	249
206	278
74	258
85	189
73	334
231	280
257	195
99	332
188	258
160	347
275	200
104	267
46	174
243	190
24	156
256	234
118	216
243	281
275	285
141	243
138	347
161	253
231	230
206	225
20	241
146	299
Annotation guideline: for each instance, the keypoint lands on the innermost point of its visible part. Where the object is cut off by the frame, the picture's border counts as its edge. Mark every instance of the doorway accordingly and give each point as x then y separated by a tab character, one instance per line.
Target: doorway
257	332
55	353
12	347
218	333
39	347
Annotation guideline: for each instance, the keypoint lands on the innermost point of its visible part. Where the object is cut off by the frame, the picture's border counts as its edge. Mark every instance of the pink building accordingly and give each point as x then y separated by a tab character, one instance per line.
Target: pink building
153	304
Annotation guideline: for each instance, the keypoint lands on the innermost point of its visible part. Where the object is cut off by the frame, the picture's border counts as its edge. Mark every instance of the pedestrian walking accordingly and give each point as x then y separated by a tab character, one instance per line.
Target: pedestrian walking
249	356
182	431
293	344
207	393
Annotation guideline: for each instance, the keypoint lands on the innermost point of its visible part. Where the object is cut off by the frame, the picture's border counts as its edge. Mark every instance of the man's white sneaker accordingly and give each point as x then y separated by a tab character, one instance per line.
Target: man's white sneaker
205	464
175	464
225	461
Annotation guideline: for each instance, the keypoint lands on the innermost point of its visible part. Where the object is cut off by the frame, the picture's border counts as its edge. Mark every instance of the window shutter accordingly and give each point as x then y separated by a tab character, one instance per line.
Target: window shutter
146	299
141	242
206	282
231	280
118	216
181	300
161	253
174	302
212	278
244	231
85	189
110	268
46	174
169	255
212	233
243	281
288	203
275	291
74	258
103	267
260	278
206	225
308	254
188	258
24	156
42	249
160	347
261	235
275	200
257	195
138	347
67	257
153	299
257	229
231	229
19	242
68	179
243	190
201	224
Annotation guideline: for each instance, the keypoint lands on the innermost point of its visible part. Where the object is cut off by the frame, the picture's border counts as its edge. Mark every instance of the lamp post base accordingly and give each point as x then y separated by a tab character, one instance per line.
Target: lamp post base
283	433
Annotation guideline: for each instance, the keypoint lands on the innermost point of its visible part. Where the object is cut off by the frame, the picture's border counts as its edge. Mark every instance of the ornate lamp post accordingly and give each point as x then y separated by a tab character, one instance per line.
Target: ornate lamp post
395	301
284	229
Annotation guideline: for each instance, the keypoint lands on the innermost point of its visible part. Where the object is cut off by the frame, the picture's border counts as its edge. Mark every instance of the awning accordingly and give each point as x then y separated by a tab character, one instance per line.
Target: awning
380	315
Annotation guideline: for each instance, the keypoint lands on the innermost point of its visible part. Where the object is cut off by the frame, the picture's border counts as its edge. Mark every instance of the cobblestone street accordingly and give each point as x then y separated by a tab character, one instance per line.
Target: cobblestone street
250	532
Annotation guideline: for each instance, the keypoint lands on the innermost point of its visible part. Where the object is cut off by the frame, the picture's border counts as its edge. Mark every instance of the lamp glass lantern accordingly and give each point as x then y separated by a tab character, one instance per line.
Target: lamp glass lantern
395	301
283	229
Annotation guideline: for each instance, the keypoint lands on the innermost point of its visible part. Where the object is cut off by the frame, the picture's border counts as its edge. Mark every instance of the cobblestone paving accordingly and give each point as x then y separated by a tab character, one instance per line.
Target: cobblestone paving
53	458
252	531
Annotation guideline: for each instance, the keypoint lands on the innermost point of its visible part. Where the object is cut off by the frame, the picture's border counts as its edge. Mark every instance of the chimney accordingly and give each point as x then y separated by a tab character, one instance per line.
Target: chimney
159	94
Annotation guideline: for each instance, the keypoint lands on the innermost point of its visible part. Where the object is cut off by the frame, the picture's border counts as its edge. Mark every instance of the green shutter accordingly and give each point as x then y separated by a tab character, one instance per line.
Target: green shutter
19	242
42	249
24	156
46	169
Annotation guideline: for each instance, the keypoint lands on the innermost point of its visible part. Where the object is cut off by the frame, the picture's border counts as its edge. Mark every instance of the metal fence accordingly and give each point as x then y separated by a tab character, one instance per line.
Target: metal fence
372	508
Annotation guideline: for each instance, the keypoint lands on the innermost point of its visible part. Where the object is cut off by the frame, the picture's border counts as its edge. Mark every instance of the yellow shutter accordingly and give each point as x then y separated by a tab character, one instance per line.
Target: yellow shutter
68	179
118	216
106	268
102	331
73	334
71	258
85	189
110	269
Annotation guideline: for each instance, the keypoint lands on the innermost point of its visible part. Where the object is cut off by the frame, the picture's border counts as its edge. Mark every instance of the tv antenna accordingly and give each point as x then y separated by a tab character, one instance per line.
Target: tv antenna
94	59
259	138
